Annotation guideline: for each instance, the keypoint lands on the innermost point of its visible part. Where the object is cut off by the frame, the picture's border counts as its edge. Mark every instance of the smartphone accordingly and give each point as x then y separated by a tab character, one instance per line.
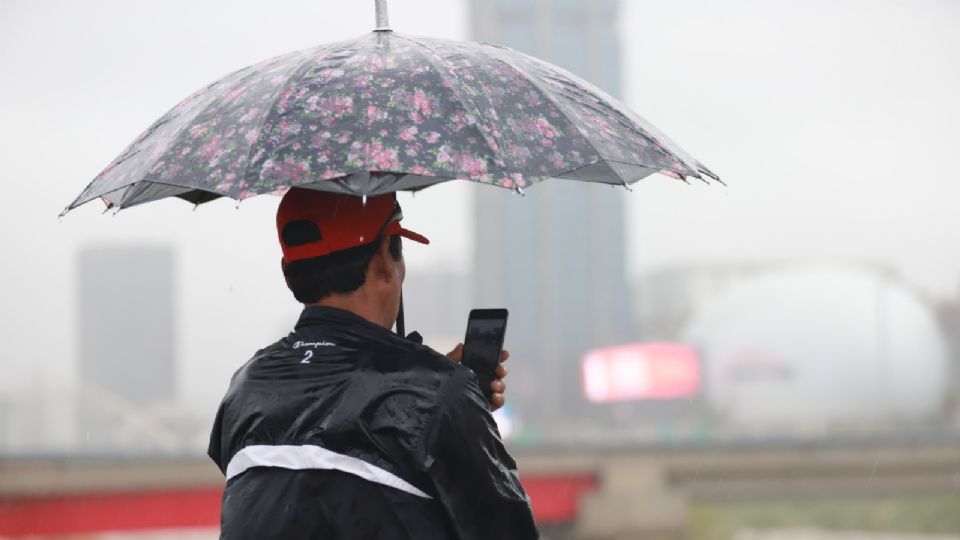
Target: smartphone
483	345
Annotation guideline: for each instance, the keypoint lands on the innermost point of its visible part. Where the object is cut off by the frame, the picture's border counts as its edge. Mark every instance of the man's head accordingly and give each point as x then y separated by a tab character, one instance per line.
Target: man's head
339	250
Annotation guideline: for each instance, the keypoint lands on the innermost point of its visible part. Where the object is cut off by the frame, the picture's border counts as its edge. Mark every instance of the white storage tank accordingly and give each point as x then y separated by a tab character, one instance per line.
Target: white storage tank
819	347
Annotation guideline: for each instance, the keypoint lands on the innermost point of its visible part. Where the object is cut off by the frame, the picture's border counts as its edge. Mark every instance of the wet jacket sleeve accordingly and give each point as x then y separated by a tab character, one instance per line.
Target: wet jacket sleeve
474	476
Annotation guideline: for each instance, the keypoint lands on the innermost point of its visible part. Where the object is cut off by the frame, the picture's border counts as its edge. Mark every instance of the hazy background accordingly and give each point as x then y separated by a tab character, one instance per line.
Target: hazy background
835	124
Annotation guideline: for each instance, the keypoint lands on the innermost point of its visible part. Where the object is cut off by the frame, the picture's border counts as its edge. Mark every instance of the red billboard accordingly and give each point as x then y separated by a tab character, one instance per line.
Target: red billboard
641	371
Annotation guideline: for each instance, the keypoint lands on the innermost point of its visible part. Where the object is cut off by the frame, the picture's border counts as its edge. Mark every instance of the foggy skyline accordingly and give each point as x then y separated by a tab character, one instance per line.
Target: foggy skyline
832	123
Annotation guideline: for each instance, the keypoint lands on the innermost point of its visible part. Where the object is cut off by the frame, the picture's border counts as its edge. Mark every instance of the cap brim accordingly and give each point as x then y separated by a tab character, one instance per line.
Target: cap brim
406	233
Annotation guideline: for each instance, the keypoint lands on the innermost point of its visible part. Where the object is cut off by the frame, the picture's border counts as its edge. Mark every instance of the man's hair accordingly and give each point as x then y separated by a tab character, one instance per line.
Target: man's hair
312	280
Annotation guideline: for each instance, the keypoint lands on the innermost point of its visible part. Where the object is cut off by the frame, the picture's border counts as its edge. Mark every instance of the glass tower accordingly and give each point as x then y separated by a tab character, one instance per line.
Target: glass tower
555	258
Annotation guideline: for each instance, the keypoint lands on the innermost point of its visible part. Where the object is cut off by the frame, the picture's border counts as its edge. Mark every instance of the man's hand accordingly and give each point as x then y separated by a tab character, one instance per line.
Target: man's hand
498	386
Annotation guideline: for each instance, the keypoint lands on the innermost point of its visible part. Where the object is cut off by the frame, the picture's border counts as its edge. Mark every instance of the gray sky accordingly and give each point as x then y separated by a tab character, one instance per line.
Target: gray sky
834	123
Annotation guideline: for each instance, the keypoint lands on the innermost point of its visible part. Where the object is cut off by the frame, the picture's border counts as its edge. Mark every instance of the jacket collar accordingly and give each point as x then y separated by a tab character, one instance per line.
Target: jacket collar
331	316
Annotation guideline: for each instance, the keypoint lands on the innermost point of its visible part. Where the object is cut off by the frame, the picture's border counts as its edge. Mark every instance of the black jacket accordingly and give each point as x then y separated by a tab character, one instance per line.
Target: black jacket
344	430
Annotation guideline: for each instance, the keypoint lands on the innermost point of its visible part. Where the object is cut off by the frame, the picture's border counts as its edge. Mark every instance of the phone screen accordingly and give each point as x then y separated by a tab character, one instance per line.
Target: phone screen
483	344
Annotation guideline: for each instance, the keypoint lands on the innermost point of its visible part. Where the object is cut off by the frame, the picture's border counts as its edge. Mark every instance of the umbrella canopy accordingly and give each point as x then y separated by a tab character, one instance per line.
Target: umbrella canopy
388	112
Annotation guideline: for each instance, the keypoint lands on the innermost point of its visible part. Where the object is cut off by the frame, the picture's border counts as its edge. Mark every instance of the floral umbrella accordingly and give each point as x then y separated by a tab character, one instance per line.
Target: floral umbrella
387	112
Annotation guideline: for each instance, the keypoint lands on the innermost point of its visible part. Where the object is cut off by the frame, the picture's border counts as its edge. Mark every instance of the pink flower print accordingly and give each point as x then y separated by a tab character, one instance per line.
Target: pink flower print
383	132
248	116
556	159
443	155
288	128
290	170
422	102
473	166
384	158
544	128
514	180
227	183
361	81
336	106
532	98
327	75
408	133
232	94
198	130
417	169
415	117
343	138
371	114
432	137
355	149
251	136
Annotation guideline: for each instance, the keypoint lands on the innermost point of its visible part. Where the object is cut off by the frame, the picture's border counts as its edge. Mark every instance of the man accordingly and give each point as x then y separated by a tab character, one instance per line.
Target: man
345	430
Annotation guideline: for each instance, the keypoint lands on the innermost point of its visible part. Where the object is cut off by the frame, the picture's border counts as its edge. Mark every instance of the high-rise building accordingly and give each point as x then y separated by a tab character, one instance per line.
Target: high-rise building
127	340
554	258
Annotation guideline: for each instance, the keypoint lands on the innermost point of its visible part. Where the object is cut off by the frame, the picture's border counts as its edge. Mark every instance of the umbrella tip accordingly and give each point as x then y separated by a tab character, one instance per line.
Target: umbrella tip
520	191
383	20
363	201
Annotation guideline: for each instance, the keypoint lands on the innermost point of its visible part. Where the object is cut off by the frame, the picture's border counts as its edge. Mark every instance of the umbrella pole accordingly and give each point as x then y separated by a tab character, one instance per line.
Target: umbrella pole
383	21
400	329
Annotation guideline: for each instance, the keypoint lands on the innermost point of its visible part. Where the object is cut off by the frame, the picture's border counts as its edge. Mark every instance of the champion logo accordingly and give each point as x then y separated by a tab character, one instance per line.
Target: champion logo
313	344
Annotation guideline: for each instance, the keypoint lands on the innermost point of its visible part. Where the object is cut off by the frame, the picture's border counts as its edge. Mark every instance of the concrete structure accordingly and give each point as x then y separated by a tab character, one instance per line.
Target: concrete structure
580	495
823	347
555	258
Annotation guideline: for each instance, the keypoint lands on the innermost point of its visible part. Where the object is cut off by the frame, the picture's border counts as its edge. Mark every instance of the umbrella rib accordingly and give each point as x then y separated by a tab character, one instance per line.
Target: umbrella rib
488	136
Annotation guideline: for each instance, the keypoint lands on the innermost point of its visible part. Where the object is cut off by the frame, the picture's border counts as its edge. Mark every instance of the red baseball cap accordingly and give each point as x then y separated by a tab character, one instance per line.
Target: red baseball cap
336	222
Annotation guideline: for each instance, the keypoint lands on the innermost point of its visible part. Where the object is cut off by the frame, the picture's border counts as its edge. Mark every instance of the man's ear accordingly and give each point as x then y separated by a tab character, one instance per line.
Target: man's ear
379	264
